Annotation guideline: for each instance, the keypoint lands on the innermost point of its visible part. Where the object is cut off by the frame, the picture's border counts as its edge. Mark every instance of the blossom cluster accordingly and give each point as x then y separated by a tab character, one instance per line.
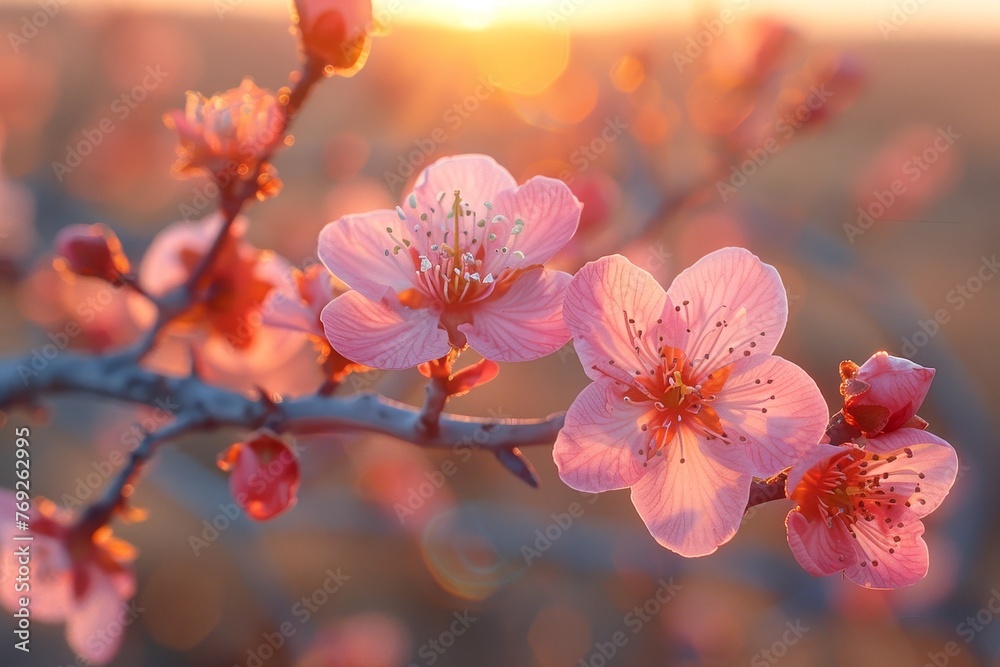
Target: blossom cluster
688	407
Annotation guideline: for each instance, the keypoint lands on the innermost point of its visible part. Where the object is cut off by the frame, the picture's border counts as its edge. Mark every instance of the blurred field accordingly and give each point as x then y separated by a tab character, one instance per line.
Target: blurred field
535	102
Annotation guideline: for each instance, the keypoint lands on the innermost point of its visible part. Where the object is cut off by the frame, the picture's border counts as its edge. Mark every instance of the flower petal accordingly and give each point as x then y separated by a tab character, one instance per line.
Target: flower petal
382	334
525	322
931	465
821	453
96	625
731	286
550	215
818	548
884	562
776	407
693	507
597	449
51	577
602	296
354	249
479	178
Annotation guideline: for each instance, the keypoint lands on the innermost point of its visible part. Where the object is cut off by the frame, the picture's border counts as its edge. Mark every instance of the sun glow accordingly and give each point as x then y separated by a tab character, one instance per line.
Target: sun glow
474	14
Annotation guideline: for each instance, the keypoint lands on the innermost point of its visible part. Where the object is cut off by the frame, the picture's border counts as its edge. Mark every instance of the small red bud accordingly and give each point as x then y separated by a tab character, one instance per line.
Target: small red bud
91	250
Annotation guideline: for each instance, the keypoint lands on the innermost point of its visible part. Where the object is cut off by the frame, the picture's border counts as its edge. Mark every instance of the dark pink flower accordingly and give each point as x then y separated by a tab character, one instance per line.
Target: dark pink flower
884	393
91	250
688	404
460	263
859	510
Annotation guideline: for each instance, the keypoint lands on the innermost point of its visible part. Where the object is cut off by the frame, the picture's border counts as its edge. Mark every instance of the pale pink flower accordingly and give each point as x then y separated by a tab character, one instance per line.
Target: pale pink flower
302	312
859	510
688	404
884	393
82	581
459	263
228	323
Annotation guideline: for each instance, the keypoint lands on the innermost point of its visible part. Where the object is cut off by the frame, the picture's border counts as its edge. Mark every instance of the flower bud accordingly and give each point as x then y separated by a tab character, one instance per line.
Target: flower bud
335	33
91	250
263	475
884	393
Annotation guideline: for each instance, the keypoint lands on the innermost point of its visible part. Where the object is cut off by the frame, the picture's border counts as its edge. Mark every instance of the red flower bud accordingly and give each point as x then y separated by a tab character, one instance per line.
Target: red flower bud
91	250
336	33
263	475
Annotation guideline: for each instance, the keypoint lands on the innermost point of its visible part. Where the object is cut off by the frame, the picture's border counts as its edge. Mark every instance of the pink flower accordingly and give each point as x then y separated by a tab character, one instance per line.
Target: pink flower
301	312
337	33
263	475
229	320
81	580
688	404
859	510
229	134
460	263
884	393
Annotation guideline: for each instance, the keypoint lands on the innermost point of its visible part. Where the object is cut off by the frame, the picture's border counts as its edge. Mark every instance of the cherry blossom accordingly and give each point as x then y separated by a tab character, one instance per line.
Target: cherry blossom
688	404
229	318
263	475
859	510
301	312
229	133
77	578
460	263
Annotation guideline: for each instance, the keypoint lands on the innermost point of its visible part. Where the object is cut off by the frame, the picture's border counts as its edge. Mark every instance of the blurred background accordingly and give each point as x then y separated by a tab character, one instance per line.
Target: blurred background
852	145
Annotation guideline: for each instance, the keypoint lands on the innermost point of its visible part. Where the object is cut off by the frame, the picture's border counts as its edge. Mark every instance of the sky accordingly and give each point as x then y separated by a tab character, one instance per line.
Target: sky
875	19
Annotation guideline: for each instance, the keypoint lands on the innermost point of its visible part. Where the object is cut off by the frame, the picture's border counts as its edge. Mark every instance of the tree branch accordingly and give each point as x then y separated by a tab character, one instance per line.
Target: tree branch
208	407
